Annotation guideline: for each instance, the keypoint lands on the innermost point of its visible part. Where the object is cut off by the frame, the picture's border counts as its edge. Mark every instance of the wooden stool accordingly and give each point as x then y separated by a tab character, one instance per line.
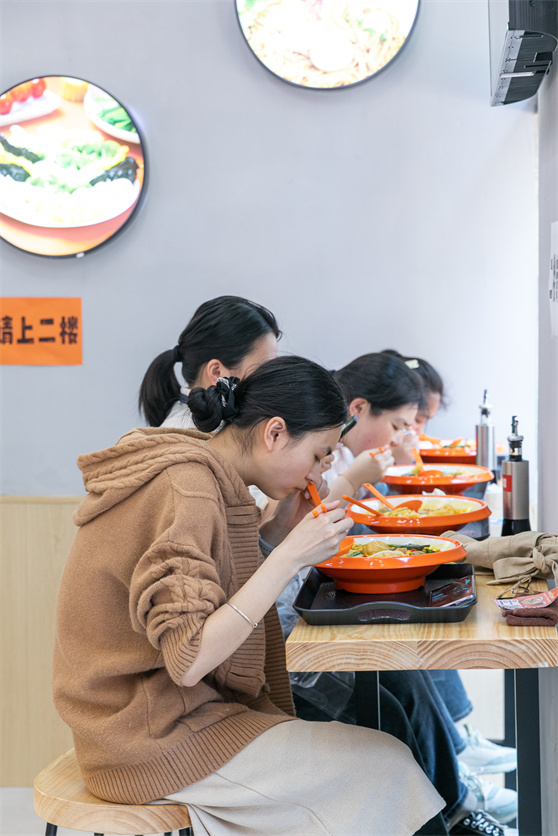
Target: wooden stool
62	800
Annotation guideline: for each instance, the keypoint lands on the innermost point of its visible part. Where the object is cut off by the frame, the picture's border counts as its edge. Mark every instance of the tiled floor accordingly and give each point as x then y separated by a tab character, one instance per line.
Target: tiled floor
485	689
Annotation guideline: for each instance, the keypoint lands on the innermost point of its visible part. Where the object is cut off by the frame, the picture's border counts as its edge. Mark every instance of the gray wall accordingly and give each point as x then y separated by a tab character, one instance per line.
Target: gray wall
548	345
401	213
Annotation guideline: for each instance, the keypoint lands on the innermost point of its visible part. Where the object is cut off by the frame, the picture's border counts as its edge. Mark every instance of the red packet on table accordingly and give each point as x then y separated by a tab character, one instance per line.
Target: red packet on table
539	609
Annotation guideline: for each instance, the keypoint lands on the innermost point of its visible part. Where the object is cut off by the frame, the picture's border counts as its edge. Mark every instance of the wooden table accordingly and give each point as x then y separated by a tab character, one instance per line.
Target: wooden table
483	640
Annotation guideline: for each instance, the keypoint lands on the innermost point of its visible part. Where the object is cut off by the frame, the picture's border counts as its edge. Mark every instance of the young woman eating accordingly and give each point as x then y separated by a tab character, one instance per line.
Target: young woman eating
169	662
384	396
433	399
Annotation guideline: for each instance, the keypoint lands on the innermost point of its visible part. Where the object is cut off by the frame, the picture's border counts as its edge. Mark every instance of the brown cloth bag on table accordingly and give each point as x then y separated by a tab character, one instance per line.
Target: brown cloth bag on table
531	554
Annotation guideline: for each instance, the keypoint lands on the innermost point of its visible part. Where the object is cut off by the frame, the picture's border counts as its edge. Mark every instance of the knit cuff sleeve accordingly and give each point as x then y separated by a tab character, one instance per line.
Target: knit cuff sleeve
179	650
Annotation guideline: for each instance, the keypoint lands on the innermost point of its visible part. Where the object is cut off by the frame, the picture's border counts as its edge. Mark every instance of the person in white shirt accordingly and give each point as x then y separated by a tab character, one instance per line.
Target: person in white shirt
227	336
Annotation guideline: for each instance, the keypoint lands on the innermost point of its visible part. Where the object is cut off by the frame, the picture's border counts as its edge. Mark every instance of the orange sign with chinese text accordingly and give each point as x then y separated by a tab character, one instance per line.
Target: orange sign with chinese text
40	332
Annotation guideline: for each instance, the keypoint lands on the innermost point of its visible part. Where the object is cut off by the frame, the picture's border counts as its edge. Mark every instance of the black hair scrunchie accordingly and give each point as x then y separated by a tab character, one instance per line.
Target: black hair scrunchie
225	387
176	354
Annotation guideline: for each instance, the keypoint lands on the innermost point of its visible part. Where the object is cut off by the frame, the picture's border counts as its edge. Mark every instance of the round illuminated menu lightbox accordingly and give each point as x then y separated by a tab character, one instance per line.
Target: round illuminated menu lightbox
72	166
325	44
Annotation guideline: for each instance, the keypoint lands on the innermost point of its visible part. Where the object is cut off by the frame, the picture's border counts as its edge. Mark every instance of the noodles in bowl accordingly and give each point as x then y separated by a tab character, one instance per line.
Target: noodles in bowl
452	479
395	563
374	548
326	43
435	515
427	510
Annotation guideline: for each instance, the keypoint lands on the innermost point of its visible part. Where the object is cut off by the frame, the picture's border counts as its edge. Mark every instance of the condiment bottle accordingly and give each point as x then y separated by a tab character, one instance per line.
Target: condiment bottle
515	483
486	448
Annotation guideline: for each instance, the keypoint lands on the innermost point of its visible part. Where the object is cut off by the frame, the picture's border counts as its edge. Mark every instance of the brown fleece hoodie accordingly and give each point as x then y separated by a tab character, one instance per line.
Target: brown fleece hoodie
167	534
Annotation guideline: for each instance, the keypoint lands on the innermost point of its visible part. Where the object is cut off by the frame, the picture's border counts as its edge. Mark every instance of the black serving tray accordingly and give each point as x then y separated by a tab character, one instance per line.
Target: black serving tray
448	595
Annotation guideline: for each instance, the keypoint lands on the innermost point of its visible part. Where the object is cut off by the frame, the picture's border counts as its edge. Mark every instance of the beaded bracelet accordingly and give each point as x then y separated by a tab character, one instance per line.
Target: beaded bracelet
243	614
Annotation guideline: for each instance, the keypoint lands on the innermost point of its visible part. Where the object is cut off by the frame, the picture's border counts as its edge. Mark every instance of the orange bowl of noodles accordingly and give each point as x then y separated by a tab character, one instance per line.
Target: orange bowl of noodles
450	478
380	564
452	451
436	514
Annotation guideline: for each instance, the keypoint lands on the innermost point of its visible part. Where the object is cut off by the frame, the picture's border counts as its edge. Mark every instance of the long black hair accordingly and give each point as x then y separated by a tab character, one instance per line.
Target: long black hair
302	393
431	379
383	380
225	328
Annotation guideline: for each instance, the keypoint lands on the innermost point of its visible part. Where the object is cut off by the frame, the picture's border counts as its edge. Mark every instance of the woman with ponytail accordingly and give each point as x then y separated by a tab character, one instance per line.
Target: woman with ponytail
226	336
169	660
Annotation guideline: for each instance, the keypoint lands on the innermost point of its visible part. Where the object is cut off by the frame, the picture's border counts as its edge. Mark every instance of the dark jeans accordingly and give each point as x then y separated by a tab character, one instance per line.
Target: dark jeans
412	711
433	729
453	693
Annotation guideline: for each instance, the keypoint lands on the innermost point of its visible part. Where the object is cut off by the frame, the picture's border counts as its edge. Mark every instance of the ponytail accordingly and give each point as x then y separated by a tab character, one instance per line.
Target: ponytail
159	389
226	328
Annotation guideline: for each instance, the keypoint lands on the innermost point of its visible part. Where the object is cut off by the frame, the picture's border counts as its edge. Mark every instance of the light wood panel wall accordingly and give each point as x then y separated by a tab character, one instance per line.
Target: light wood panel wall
36	536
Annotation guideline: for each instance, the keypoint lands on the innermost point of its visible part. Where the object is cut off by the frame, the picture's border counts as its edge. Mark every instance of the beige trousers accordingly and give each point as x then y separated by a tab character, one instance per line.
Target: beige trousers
314	779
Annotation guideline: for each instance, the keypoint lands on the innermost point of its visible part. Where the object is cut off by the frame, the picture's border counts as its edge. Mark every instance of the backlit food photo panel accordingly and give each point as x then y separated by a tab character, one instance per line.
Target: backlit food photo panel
71	166
324	44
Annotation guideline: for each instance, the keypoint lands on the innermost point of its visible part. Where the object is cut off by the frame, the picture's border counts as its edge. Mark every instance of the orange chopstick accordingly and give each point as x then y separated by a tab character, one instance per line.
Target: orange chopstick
313	491
367	508
380	496
378	450
418	459
423	437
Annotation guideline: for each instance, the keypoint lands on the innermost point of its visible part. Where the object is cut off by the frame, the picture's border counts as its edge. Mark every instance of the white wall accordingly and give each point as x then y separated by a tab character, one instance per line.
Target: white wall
548	344
401	213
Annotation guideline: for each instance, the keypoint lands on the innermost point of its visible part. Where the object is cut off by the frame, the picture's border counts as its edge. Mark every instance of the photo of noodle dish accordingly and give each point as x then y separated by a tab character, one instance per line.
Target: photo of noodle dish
71	178
325	44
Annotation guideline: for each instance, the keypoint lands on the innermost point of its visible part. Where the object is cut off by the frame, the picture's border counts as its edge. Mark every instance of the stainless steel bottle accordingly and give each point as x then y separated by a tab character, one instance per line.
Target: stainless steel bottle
486	446
515	483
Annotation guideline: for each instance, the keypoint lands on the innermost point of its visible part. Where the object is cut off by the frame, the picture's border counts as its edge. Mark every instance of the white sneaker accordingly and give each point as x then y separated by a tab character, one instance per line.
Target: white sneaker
497	801
482	756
